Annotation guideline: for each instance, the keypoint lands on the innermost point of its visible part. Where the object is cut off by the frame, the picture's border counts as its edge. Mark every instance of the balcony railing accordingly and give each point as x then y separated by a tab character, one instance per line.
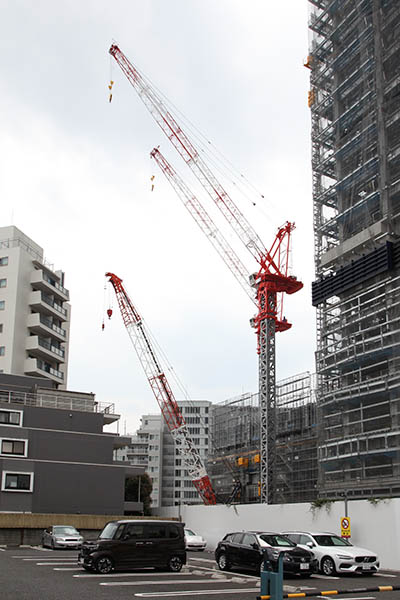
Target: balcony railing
50	347
51	325
60	401
48	369
49	300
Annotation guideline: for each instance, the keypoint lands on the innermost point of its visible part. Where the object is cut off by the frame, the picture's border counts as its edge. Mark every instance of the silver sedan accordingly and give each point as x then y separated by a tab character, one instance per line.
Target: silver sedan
61	536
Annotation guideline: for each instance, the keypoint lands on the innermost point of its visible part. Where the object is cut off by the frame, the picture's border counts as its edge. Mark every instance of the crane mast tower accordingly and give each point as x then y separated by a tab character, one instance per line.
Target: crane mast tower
271	278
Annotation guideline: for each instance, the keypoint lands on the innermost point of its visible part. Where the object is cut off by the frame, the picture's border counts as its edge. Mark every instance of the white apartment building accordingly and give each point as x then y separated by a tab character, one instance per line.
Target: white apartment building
153	447
34	311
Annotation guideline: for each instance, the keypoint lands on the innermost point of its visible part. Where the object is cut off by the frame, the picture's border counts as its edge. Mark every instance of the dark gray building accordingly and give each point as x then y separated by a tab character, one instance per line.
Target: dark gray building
354	98
54	455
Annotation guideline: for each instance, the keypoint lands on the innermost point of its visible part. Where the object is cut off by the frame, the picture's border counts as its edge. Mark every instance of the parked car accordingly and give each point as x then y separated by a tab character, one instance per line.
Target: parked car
135	543
336	554
194	541
246	549
61	536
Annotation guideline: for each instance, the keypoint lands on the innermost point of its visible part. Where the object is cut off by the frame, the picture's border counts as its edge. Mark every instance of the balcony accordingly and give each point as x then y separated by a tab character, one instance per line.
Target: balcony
42	302
37	367
44	349
42	281
41	325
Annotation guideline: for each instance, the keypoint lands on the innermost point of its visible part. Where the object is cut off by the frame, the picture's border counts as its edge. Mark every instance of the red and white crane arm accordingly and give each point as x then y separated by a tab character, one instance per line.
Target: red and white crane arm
190	155
170	410
206	224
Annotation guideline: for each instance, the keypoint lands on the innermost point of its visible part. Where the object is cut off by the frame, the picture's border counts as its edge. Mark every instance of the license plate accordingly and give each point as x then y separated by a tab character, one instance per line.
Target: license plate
367	567
304	566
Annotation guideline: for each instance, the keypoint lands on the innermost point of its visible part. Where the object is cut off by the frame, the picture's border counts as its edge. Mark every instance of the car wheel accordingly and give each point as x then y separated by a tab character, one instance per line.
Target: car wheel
223	563
104	565
328	566
175	564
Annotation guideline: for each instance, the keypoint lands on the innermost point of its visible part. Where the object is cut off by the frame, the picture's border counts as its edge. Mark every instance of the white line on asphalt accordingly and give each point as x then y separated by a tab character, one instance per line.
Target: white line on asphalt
52	564
52	559
2	549
152	574
66	569
324	576
384	575
161	582
226	573
195	593
202	560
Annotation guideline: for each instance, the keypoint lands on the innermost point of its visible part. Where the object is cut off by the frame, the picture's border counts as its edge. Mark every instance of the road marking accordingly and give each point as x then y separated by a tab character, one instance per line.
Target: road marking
384	575
324	576
57	569
52	559
152	574
161	582
195	593
2	549
52	564
227	573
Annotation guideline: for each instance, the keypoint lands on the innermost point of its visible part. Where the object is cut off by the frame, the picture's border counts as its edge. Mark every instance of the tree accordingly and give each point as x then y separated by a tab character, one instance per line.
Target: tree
132	491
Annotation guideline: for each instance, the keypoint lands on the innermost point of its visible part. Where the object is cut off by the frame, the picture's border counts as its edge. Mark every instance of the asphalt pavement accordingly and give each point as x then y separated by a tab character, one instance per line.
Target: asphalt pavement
34	573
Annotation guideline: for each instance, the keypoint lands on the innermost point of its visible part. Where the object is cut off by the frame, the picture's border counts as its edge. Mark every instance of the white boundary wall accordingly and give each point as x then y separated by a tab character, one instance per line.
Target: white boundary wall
373	526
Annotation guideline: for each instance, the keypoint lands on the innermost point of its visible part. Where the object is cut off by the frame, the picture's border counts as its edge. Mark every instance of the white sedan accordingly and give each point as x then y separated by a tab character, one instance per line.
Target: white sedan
336	554
194	541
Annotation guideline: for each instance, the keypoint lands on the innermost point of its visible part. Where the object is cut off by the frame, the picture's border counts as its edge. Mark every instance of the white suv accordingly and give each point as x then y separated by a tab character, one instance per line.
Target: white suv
336	554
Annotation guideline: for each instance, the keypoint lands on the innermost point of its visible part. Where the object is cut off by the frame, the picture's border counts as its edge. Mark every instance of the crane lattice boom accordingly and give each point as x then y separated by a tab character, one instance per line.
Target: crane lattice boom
170	410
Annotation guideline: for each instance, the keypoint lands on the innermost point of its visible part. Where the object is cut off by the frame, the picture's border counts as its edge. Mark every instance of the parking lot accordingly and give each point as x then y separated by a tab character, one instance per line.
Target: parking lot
33	573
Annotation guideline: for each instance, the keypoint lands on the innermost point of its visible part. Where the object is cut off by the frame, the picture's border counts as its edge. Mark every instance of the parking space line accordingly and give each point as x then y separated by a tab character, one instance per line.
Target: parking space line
51	559
160	582
195	593
324	576
227	573
66	569
52	564
152	574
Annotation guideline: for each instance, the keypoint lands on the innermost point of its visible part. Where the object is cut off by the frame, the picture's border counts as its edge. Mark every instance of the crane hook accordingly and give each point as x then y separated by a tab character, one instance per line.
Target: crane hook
109	312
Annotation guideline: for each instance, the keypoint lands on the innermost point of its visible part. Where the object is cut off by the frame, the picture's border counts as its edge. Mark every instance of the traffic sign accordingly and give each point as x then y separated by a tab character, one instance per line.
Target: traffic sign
345	527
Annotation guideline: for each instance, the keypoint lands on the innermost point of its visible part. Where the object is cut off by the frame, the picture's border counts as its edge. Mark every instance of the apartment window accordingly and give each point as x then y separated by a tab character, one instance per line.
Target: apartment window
13	447
2	304
2	350
16	482
10	417
3	261
3	283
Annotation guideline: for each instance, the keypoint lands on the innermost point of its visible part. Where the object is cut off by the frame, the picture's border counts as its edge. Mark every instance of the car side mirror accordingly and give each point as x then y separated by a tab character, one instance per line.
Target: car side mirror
310	544
254	546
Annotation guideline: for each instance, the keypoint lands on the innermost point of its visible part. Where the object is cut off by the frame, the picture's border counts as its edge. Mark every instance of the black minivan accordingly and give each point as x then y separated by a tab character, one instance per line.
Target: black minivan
136	543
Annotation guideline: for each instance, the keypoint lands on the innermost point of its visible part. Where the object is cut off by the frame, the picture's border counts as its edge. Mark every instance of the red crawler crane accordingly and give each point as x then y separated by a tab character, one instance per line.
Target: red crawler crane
170	410
270	279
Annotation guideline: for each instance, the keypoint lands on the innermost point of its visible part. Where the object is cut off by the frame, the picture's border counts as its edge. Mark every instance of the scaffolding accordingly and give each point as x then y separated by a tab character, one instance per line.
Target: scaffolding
355	114
234	459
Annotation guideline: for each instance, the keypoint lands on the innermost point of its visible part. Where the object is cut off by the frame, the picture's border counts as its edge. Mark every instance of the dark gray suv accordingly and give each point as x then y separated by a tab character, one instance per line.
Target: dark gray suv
136	543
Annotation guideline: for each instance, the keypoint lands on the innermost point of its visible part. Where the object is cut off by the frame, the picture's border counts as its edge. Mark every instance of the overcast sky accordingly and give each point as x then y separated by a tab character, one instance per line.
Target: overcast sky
75	177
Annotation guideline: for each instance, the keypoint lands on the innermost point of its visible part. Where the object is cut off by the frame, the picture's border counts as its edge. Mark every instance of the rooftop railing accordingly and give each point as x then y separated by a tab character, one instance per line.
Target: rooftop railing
60	401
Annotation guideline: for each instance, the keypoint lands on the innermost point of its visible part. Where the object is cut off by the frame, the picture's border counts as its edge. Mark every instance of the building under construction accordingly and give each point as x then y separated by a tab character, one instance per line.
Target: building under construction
354	98
234	455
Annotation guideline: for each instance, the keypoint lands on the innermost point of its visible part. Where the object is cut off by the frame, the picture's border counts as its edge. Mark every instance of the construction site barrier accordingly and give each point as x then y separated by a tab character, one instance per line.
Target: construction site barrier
379	588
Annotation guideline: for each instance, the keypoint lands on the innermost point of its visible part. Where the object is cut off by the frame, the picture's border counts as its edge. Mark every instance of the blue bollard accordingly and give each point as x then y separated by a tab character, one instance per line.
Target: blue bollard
272	581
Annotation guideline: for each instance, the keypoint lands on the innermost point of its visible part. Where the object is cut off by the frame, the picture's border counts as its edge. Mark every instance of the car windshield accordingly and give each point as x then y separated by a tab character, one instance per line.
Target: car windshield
65	531
189	532
109	531
274	540
330	540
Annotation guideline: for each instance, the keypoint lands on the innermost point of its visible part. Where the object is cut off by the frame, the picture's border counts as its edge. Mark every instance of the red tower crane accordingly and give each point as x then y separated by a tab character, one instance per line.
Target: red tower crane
170	410
270	279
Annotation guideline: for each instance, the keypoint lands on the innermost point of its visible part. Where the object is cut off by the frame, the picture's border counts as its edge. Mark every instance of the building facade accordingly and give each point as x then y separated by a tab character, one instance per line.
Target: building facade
234	459
54	455
355	112
34	311
154	448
